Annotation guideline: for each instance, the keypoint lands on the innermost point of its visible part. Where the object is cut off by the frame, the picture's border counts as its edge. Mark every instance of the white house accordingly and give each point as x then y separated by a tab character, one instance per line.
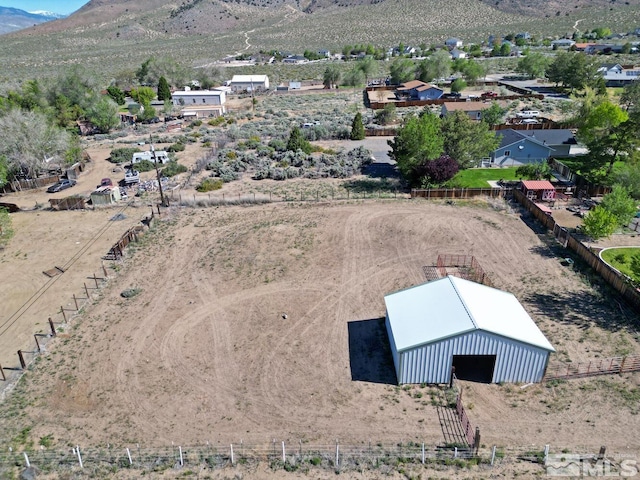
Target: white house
188	97
249	83
482	333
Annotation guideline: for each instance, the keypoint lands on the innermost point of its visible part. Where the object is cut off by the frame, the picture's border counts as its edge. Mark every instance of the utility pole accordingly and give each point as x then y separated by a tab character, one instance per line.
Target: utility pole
155	164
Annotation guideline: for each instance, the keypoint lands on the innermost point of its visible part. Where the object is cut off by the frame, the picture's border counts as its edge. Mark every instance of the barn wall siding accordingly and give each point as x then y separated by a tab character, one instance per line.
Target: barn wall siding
515	361
394	351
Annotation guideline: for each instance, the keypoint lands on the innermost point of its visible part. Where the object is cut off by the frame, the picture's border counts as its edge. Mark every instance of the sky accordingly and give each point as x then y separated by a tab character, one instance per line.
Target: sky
64	7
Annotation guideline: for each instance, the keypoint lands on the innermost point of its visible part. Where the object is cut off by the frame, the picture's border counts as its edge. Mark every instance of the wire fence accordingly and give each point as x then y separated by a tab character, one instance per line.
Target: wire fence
278	454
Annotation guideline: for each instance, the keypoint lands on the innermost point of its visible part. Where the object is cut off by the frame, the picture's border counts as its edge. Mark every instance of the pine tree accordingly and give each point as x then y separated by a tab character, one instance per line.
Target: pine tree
298	142
357	128
164	92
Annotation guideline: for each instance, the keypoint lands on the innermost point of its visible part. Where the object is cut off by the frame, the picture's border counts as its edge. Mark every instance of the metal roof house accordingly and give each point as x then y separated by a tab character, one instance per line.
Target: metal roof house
483	333
249	83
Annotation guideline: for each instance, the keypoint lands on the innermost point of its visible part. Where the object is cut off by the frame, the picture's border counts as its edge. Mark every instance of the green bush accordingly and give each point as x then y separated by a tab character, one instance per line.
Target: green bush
173	168
176	147
145	166
217	121
123	154
195	123
209	184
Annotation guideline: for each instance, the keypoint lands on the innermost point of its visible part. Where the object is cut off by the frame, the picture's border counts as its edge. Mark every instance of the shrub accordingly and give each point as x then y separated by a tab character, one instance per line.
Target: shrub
217	121
173	168
195	123
176	147
123	154
145	166
209	184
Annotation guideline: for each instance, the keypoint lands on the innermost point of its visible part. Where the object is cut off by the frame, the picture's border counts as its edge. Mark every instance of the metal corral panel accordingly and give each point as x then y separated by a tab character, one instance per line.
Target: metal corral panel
431	363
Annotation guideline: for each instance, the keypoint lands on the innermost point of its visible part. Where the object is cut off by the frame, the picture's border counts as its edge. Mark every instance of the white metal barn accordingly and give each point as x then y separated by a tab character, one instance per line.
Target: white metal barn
484	333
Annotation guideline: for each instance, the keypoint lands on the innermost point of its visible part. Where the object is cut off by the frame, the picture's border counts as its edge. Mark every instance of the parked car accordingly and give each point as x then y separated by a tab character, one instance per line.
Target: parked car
106	182
527	114
61	185
489	95
452	95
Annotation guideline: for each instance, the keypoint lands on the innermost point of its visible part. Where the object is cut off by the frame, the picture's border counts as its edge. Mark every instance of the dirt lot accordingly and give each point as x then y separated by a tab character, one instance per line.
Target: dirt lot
204	352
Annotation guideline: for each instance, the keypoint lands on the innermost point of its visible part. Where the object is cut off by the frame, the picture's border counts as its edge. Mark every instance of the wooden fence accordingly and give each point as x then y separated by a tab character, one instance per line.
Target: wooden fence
67	203
19	185
461	192
381	132
602	366
619	282
117	251
581	184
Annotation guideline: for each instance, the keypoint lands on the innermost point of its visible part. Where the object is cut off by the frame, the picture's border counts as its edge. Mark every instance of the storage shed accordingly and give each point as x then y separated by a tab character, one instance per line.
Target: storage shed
105	195
482	332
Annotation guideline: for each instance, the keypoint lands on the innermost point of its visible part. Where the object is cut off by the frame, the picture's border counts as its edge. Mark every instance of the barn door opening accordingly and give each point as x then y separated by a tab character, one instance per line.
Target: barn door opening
475	368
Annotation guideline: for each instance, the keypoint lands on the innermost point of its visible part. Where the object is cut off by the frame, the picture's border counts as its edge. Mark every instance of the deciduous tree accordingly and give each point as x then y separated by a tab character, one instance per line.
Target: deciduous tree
417	142
599	223
331	76
466	140
438	171
534	65
104	115
620	204
401	70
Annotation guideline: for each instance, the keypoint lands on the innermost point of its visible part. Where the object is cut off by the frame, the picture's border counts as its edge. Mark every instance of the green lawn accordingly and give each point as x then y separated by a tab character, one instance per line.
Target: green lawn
478	177
621	258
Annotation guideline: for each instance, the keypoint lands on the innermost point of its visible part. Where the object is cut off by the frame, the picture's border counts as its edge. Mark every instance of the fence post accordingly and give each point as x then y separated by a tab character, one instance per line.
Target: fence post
79	456
75	300
64	315
232	454
22	363
104	270
476	440
4	379
284	457
86	290
337	454
493	455
622	364
546	453
95	279
423	453
35	337
455	452
53	329
179	447
26	459
129	455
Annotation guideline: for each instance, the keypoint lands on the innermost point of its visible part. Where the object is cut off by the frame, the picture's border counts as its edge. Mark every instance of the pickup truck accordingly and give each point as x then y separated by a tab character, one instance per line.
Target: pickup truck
131	176
489	95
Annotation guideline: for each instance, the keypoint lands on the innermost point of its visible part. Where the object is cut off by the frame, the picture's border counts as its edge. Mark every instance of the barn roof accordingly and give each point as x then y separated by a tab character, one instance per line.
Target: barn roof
452	306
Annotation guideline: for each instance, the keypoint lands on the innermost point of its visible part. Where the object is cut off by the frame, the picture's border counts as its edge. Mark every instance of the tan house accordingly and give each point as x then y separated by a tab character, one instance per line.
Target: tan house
473	109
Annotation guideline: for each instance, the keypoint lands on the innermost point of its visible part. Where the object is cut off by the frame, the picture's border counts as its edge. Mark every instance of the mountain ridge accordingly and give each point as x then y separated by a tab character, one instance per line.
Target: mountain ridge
14	19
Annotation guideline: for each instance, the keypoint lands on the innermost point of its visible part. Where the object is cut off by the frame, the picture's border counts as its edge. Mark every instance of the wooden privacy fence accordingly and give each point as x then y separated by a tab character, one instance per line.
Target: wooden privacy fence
381	132
461	192
602	366
614	278
19	185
